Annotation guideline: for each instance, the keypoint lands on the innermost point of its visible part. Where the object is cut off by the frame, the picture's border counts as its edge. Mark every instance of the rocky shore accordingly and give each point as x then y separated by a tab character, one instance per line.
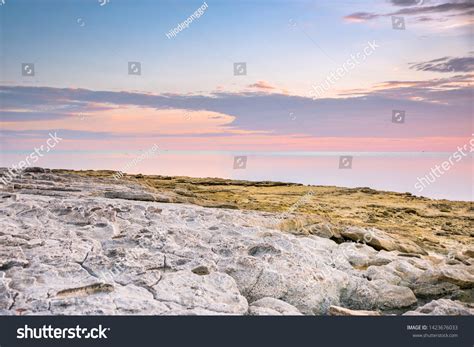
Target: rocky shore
84	243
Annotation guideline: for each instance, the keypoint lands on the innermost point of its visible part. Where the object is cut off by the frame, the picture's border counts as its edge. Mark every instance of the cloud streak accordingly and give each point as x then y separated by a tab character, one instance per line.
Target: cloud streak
459	8
446	64
262	85
436	108
406	2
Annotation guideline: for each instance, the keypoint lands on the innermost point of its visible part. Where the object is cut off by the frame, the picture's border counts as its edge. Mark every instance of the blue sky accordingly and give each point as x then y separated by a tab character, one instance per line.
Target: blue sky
187	89
200	58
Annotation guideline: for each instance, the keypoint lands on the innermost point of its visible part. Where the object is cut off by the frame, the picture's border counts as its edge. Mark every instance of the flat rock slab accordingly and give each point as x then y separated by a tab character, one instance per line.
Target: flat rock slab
341	311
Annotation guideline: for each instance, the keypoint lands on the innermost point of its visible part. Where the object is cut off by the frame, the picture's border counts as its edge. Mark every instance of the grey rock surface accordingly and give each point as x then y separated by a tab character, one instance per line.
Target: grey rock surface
76	245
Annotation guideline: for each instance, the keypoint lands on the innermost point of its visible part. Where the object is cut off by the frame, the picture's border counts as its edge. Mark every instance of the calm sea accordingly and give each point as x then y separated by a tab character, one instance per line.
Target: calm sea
394	171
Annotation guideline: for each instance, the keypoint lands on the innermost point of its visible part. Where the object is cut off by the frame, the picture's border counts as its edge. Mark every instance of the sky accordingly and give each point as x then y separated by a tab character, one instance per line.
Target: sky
299	92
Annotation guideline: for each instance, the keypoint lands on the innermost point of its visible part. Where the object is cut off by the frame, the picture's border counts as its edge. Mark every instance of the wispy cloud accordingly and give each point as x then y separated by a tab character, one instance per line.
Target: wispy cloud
361	16
406	2
261	85
459	6
414	7
446	64
435	108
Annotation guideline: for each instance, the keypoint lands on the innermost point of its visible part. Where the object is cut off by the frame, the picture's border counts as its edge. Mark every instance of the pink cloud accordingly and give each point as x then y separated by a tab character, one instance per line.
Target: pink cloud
262	85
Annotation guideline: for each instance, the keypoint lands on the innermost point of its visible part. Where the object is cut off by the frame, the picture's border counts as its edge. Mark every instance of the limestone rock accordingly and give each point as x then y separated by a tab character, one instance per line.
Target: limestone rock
215	292
110	247
380	240
443	307
443	280
341	311
129	195
11	256
307	225
379	295
272	307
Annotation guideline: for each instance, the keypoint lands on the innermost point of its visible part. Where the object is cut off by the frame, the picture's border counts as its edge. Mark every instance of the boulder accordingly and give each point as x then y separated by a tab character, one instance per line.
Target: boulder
377	295
443	307
443	280
380	240
272	307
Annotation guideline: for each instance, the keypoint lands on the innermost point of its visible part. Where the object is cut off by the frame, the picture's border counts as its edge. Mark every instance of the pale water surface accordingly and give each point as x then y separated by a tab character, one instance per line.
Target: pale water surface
385	171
